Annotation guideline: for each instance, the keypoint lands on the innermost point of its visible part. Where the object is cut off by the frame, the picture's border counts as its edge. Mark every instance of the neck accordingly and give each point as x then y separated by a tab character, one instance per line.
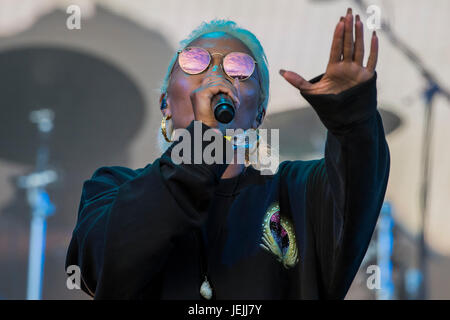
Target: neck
233	170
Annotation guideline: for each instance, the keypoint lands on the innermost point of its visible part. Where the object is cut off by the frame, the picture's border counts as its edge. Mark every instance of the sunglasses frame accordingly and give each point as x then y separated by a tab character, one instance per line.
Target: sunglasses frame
221	64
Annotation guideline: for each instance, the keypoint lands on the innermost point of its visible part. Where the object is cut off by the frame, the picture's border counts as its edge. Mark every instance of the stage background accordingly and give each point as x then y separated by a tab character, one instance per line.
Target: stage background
109	72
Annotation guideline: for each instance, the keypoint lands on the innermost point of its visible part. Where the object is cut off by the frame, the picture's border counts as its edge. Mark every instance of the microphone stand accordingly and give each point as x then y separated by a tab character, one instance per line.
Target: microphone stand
432	88
40	204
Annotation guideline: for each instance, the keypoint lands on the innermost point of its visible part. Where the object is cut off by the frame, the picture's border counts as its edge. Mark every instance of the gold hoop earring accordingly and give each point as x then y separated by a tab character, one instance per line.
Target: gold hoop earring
247	152
257	137
163	127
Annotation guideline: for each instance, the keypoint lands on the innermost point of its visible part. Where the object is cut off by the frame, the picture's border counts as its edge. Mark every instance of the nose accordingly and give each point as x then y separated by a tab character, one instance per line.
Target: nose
215	66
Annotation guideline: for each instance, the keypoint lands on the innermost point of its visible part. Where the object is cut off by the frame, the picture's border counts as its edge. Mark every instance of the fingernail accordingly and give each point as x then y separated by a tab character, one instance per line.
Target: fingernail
374	33
341	19
357	17
349	11
282	71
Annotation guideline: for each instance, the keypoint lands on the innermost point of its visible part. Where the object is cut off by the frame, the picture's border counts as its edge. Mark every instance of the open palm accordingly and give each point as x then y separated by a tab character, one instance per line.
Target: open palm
345	68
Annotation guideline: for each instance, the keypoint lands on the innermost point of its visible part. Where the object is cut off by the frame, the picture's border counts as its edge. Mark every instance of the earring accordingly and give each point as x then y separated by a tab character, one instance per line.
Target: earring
163	127
257	137
252	149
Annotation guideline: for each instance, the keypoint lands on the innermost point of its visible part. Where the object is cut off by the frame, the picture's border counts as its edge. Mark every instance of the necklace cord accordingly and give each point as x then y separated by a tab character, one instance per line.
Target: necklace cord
204	256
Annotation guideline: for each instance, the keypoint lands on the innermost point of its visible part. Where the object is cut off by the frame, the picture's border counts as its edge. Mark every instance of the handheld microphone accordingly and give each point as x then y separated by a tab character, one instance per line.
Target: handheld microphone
223	107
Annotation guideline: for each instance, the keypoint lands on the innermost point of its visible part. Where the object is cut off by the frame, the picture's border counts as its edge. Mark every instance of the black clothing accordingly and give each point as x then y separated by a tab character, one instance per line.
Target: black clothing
139	232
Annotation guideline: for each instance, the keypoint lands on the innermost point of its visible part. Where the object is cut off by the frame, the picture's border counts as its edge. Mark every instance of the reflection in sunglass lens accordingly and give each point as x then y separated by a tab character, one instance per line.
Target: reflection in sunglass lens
194	60
238	65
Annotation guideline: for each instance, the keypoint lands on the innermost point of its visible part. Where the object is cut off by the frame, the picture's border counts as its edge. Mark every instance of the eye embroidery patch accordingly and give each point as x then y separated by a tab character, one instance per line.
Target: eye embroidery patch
279	236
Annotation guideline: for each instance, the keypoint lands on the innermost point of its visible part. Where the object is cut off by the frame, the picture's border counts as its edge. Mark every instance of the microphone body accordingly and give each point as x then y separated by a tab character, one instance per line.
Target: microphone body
223	107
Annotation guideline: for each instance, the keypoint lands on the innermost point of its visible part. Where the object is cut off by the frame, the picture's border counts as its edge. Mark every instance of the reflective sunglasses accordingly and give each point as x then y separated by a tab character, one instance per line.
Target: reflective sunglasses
195	60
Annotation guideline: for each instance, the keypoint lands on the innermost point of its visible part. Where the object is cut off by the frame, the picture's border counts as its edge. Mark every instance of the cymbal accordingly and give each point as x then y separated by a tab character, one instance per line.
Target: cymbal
98	108
302	134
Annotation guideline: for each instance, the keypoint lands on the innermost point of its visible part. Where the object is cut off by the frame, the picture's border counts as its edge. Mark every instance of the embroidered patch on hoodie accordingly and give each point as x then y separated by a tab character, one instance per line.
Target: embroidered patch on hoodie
279	236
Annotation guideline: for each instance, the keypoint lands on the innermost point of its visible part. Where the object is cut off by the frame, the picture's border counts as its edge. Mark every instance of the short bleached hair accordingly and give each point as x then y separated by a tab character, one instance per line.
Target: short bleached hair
248	38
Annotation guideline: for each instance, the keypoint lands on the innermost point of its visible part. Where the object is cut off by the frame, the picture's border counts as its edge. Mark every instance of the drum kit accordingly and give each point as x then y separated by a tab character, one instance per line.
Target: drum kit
81	111
302	134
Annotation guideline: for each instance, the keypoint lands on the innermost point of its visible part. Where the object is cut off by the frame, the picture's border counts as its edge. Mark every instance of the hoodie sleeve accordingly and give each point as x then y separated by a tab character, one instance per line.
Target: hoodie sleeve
345	190
127	221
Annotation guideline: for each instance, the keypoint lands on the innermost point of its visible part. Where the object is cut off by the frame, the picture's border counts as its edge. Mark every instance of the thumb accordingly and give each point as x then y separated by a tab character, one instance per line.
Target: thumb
295	79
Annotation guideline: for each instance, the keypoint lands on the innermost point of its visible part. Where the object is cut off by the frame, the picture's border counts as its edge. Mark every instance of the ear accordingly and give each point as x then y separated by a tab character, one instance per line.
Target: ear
164	104
259	118
255	124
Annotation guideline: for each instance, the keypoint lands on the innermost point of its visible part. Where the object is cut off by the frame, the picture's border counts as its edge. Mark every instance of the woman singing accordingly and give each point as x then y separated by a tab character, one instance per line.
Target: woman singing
224	230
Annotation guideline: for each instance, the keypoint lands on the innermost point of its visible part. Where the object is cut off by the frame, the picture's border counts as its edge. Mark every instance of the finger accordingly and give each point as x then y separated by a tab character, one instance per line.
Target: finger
359	41
373	56
348	36
338	42
219	88
237	85
225	83
212	77
216	81
215	78
295	79
220	80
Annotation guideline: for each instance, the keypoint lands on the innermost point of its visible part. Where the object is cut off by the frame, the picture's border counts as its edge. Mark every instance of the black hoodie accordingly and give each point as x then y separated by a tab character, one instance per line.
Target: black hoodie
301	233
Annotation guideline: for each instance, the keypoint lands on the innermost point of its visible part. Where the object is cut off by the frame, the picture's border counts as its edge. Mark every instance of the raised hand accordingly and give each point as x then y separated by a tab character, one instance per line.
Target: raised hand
345	68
